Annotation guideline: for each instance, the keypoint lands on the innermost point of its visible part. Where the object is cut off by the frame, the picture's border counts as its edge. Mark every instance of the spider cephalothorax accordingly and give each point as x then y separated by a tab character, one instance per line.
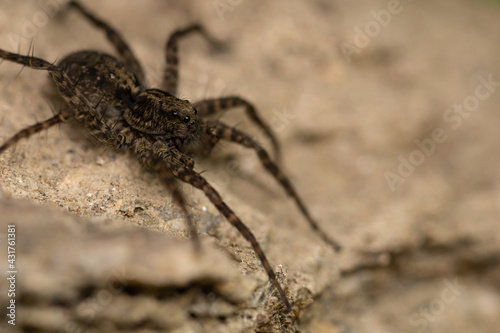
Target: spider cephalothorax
109	96
158	113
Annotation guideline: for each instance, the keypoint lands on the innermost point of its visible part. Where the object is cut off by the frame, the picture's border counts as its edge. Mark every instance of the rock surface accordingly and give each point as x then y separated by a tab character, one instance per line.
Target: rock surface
360	97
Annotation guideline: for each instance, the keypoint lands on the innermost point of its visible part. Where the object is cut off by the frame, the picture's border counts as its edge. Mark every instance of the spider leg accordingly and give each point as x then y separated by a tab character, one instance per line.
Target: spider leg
180	167
193	178
115	38
212	106
151	157
37	63
171	74
33	129
81	108
168	178
220	130
84	110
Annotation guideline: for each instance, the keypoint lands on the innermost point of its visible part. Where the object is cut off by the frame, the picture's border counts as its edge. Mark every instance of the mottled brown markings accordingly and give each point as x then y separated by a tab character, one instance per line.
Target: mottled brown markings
161	129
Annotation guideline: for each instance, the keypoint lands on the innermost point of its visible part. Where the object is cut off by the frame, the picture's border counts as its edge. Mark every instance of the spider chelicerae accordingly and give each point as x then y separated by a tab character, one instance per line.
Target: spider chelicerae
110	98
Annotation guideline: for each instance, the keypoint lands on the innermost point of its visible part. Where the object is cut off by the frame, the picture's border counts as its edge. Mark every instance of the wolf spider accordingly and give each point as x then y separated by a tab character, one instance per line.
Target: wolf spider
110	98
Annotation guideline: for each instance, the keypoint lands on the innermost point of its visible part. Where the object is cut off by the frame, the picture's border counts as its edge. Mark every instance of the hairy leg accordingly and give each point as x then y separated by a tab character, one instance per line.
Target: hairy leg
210	107
33	129
81	108
222	131
171	74
65	88
115	38
195	179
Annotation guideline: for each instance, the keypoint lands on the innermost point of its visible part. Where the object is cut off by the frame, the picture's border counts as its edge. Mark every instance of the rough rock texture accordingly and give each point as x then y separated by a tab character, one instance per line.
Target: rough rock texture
352	110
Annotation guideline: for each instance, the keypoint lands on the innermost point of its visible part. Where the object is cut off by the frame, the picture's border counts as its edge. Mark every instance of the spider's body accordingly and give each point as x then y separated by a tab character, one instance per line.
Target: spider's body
132	110
110	97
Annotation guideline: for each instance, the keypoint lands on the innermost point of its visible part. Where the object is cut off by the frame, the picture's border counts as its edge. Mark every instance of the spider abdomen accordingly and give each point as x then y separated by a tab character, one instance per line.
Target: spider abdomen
104	80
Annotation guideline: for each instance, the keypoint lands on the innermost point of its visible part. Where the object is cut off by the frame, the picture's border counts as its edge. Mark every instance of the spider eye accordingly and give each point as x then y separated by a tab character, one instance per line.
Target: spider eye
187	119
175	114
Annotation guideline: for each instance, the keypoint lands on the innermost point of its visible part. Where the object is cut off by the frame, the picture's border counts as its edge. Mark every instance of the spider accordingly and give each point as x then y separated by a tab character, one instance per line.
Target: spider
110	98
